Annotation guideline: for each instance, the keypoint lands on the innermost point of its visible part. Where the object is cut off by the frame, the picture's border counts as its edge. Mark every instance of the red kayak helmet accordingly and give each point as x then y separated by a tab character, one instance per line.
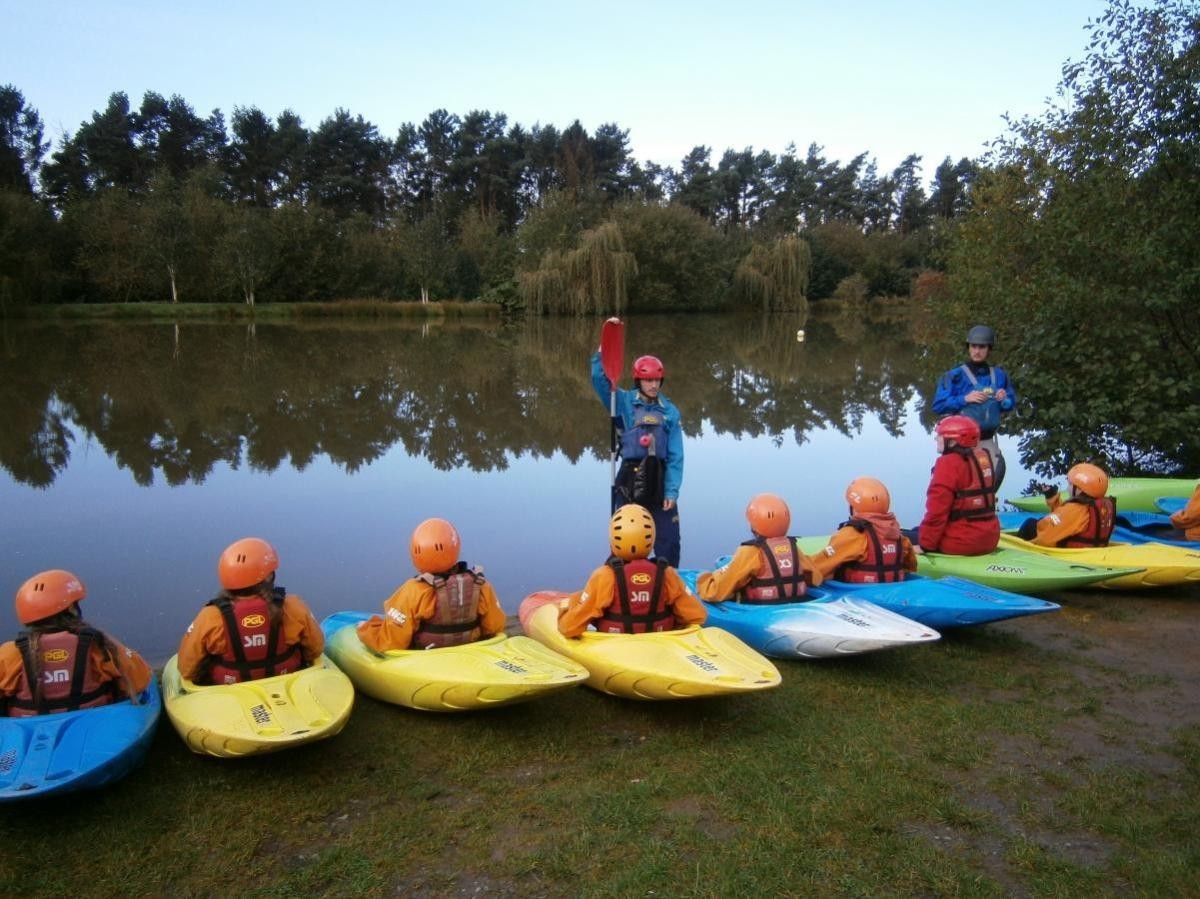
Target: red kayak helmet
435	546
1089	478
769	515
647	368
246	562
962	430
48	593
868	495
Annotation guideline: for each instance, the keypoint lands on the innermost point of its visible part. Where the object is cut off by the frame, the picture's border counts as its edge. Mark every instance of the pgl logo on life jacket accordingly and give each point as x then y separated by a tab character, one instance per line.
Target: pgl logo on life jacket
640	578
55	655
648	420
58	676
254	620
253	640
783	550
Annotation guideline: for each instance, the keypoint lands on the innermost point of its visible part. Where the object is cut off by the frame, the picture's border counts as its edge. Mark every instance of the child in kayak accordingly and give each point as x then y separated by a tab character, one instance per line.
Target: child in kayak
1187	519
252	629
768	569
448	603
960	504
868	548
61	663
630	593
1086	518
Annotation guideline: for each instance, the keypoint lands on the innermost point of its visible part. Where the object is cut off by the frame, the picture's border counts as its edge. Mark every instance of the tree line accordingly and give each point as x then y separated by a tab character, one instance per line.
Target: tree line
159	202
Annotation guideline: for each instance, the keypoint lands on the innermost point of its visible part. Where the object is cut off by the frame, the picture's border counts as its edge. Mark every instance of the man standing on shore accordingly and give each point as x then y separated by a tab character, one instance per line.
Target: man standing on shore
651	448
980	391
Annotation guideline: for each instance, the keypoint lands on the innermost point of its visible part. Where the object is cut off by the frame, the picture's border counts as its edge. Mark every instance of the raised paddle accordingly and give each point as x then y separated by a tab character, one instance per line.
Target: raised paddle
612	358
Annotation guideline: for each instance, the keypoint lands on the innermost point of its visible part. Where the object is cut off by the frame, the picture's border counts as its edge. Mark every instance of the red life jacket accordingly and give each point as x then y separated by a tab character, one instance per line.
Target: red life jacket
1102	518
639	606
882	564
779	577
976	501
255	641
68	682
456	616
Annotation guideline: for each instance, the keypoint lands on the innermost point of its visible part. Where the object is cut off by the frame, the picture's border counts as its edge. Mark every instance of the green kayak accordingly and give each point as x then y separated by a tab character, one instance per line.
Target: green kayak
1131	494
1014	570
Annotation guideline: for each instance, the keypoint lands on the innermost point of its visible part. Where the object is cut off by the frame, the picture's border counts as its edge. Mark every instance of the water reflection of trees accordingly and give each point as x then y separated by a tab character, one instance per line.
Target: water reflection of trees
178	401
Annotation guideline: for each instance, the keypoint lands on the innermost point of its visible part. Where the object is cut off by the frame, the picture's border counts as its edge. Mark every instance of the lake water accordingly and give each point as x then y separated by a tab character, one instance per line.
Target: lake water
132	454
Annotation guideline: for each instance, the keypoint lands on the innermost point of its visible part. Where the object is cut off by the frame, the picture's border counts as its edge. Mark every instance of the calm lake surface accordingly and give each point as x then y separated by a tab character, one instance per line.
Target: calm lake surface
132	454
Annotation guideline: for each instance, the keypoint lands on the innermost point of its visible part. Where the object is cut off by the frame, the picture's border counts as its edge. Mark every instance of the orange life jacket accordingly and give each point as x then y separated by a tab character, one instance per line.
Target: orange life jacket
254	640
639	606
68	682
456	617
882	564
779	578
1102	518
978	499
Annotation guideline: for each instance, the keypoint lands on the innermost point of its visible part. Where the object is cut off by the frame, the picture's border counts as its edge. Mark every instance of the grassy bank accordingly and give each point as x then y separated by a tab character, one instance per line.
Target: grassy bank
259	312
981	765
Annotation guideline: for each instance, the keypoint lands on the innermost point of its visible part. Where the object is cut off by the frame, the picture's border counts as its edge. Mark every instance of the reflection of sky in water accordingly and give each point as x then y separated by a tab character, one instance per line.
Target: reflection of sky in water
148	555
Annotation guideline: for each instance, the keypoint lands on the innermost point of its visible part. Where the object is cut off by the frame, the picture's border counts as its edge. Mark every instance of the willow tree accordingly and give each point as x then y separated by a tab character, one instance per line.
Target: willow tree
775	275
592	278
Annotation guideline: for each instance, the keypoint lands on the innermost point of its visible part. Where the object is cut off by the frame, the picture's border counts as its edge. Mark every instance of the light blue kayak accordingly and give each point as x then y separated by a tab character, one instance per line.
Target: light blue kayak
940	604
826	627
1132	527
46	755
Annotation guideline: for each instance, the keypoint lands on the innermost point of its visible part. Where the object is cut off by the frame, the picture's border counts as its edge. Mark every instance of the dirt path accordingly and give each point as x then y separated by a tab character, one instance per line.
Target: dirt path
1137	657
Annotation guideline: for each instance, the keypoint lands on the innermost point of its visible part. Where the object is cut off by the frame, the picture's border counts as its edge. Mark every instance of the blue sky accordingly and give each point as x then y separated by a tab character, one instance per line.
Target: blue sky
933	78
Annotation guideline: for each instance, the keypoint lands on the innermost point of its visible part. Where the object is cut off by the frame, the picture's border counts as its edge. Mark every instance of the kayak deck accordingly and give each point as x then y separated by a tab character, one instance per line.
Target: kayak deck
682	664
1158	565
497	671
45	755
253	717
1005	568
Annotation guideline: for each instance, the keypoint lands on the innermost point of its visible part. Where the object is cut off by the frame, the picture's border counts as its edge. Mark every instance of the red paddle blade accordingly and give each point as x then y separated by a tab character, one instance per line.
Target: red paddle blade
612	350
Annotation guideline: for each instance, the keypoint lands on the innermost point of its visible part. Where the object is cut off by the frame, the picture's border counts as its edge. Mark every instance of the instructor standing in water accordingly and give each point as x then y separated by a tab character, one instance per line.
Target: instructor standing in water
648	437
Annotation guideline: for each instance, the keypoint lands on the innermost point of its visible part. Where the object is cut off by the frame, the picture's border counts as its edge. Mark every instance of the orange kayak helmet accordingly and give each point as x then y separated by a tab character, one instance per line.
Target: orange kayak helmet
962	430
769	515
1089	478
48	593
631	533
868	495
246	562
648	368
435	546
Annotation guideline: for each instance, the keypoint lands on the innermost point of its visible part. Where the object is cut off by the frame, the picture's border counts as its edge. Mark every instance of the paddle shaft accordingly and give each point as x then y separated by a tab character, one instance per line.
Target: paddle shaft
612	359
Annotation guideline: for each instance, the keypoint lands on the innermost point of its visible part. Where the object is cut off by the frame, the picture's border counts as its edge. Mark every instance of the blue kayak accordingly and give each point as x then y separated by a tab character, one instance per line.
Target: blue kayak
1171	504
46	755
942	603
1132	527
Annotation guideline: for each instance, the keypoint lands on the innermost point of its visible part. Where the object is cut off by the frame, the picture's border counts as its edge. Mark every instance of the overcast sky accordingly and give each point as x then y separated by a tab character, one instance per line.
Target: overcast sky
933	78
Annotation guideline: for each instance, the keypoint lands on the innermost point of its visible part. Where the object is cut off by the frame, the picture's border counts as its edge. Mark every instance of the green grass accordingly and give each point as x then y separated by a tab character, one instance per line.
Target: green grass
948	770
258	312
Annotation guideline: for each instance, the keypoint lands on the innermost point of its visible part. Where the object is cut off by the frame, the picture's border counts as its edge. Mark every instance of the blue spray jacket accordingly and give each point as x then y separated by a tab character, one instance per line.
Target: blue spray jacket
630	406
954	385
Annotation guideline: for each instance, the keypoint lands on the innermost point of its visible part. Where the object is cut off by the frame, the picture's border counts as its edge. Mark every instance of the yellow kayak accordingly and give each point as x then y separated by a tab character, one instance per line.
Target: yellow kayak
497	671
1162	565
253	717
684	664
